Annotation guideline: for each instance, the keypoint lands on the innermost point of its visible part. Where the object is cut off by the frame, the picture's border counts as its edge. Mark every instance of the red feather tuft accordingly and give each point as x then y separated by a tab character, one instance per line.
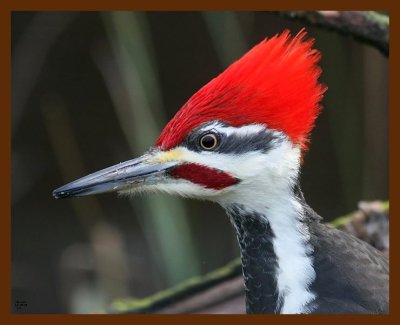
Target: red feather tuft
275	83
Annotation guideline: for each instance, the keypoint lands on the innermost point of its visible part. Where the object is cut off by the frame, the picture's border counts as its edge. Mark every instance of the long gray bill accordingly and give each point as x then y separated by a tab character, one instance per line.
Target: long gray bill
115	178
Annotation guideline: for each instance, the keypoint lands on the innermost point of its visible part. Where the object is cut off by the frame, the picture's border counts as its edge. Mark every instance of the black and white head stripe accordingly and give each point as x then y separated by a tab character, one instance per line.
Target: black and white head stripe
235	140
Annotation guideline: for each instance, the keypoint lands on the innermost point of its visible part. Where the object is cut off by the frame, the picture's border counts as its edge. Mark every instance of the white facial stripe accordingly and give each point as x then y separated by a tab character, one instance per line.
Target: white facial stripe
179	187
247	165
240	131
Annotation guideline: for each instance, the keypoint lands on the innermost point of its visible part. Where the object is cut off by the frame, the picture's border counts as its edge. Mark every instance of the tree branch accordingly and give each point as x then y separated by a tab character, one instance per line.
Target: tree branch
370	27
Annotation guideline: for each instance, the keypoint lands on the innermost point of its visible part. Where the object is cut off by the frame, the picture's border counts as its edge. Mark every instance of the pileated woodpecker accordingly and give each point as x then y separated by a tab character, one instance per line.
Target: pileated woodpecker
239	141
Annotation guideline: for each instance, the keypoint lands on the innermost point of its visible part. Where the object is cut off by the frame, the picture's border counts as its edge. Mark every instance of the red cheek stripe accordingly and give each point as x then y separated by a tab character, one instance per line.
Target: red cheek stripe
204	176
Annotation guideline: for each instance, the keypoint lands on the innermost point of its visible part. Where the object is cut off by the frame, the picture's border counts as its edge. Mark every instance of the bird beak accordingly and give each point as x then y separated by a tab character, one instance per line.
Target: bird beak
142	170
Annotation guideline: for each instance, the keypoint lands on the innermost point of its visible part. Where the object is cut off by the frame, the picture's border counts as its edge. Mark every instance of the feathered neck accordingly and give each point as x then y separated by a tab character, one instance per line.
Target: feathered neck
276	255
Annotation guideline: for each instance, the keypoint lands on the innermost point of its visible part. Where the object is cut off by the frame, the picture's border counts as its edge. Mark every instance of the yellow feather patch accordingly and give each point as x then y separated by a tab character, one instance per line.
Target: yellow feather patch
170	155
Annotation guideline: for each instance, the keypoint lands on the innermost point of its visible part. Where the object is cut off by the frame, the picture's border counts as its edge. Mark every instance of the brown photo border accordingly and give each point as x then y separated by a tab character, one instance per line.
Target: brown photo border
7	6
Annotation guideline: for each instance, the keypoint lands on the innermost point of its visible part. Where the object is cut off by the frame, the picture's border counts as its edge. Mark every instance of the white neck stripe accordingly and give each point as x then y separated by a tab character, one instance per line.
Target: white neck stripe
295	271
295	265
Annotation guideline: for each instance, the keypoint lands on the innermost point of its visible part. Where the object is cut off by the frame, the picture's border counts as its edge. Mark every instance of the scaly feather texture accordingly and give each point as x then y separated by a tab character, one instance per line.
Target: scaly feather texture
275	84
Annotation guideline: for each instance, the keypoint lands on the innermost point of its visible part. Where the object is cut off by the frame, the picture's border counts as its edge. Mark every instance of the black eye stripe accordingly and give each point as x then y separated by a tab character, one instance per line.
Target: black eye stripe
235	143
238	144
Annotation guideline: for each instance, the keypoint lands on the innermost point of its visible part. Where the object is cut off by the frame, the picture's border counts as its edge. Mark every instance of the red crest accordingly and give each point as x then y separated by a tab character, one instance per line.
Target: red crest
275	84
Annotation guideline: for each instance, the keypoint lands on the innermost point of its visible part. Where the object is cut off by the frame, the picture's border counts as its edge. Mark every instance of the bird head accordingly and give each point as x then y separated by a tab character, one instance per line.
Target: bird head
246	129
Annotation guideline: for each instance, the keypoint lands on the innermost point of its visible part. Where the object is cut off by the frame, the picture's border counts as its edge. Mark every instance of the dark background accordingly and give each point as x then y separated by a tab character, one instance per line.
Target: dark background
93	89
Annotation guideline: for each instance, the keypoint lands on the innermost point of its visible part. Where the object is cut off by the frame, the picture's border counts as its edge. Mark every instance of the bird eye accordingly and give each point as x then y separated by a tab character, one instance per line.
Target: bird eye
209	141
